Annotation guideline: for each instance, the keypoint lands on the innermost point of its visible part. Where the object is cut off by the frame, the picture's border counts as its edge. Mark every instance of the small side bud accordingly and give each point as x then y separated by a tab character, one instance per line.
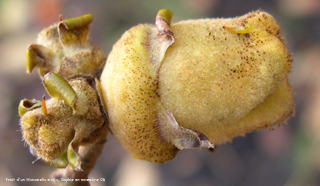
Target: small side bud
56	138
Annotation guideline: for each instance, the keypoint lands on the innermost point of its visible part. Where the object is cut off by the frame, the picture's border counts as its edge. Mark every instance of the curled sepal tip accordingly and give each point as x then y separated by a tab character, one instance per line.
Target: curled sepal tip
163	21
77	21
31	60
73	157
59	88
74	32
28	105
39	56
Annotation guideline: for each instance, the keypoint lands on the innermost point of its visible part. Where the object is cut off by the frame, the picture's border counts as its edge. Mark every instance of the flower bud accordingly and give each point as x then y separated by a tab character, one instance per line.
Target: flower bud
74	116
64	48
60	130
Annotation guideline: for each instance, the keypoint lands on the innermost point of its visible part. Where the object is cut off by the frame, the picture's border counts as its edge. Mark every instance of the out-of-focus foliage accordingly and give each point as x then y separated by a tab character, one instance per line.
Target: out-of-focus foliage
286	156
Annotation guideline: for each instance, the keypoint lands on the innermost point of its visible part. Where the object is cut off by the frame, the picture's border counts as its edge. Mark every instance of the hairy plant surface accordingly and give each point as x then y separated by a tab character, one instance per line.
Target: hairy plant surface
164	88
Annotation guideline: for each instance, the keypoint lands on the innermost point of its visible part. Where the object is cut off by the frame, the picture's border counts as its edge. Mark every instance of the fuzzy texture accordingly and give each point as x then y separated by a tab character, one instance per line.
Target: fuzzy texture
211	78
65	52
50	135
70	67
221	77
130	85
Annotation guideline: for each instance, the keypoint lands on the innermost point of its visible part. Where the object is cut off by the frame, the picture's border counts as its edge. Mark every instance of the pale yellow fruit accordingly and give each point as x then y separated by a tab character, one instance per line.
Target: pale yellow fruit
220	78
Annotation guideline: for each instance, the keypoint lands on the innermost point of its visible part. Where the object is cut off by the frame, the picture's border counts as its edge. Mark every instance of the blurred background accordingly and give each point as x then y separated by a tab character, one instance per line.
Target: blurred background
289	155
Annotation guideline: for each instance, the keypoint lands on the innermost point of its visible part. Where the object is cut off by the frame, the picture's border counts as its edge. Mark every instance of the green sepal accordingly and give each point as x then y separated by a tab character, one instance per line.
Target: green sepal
32	60
39	56
74	32
77	22
73	157
26	105
59	88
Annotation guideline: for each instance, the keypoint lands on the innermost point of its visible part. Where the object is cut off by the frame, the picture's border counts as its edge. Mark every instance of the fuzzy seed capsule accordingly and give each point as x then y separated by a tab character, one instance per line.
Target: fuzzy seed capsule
196	83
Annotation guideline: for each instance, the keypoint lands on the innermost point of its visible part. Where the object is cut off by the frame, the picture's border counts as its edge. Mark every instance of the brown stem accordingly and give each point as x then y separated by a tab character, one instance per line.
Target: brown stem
89	155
